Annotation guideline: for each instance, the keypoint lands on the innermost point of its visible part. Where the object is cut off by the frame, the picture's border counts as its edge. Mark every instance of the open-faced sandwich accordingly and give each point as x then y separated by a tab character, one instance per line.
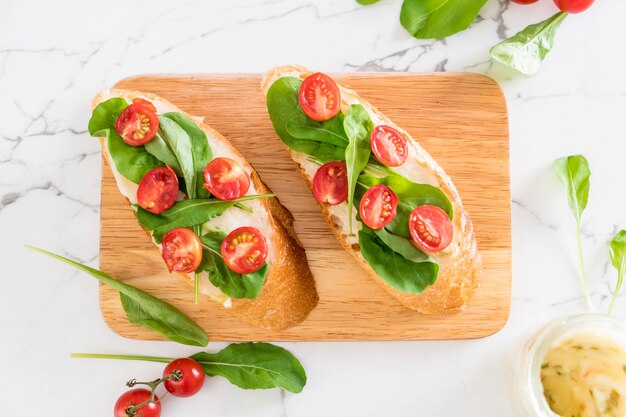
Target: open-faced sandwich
387	200
205	208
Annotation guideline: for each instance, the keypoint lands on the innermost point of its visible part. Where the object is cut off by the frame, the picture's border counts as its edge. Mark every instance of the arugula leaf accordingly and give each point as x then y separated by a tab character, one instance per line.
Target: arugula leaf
144	309
246	365
358	127
402	246
231	283
573	171
283	108
526	50
399	272
160	150
133	162
618	259
187	213
428	19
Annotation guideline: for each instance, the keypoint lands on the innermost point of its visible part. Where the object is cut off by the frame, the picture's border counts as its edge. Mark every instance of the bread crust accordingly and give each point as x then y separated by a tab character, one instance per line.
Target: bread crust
459	273
288	294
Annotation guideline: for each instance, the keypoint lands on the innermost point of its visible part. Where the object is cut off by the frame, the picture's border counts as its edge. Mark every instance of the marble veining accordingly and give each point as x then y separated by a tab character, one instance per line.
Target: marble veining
54	57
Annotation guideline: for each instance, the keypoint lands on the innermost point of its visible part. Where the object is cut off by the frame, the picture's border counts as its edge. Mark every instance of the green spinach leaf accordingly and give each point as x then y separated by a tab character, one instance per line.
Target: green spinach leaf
179	142
402	246
283	108
160	150
330	131
618	259
144	309
246	365
573	171
428	19
187	213
133	162
399	272
526	50
231	283
358	127
367	2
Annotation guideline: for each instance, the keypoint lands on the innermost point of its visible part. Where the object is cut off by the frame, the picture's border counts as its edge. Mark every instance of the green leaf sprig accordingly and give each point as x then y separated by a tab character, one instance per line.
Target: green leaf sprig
573	172
145	309
246	365
617	251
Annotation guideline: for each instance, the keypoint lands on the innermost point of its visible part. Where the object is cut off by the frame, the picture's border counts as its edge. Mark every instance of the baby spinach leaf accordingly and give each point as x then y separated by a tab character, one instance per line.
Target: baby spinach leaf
231	283
526	50
179	142
160	150
358	127
618	259
573	171
246	365
330	131
428	19
144	309
133	162
283	108
399	272
367	2
187	213
255	366
402	246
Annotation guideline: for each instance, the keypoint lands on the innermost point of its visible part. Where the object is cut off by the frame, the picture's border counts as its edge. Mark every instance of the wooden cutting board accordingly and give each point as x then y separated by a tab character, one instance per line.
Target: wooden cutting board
461	119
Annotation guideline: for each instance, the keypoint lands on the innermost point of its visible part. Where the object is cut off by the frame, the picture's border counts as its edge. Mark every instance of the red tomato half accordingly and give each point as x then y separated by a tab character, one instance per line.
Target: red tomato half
181	250
388	145
191	377
378	206
573	6
244	250
319	97
330	183
431	228
137	124
158	190
524	1
145	103
135	397
226	179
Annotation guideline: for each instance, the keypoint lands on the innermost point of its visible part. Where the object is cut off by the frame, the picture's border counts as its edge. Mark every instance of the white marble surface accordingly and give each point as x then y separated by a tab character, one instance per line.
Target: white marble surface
54	56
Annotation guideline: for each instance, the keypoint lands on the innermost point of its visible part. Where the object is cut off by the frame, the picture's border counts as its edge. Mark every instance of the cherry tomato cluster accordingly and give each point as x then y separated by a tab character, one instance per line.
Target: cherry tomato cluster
568	6
244	250
182	377
430	228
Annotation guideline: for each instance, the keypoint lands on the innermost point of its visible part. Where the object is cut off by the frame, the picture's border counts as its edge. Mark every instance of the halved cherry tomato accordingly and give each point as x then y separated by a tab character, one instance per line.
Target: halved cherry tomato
378	206
157	190
573	6
181	250
319	97
244	250
145	103
226	179
135	397
330	183
388	145
191	377
430	228
137	124
524	1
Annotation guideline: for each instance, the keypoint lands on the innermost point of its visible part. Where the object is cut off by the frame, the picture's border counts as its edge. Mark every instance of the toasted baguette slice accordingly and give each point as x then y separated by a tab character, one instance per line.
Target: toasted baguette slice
460	263
288	294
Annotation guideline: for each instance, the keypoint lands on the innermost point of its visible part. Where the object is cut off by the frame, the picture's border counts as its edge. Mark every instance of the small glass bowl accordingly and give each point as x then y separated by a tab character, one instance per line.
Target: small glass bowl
528	390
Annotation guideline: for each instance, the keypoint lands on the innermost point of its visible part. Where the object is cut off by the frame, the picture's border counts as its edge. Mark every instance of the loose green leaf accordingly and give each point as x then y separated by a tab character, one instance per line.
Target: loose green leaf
402	246
618	259
133	162
437	19
526	50
246	365
400	273
180	143
145	309
367	2
160	150
330	131
283	108
358	127
187	213
573	172
231	283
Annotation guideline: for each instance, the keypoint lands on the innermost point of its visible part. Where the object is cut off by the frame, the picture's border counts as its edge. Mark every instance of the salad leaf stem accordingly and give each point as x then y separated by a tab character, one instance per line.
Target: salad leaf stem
583	272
